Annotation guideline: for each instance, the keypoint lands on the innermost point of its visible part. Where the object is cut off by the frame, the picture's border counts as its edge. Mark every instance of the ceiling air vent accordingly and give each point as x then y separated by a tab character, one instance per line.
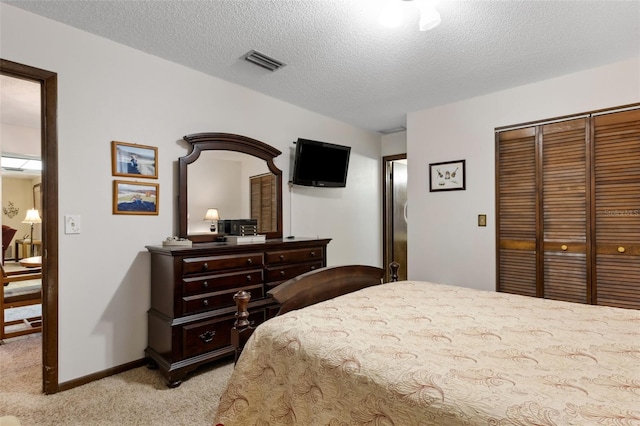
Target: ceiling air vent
264	61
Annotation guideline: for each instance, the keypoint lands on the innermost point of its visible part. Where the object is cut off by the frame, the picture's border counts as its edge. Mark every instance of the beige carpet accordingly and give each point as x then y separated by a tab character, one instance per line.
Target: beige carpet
136	397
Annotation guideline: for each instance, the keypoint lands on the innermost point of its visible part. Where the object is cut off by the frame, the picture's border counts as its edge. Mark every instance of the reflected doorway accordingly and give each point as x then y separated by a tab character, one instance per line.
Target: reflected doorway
395	212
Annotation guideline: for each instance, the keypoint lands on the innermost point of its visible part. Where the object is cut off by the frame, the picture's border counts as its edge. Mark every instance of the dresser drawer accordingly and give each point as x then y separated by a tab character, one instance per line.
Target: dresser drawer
198	265
208	283
276	274
294	256
217	299
209	335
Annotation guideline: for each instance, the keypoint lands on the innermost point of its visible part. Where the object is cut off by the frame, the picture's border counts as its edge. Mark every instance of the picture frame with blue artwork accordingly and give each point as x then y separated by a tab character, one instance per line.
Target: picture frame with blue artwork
133	160
137	198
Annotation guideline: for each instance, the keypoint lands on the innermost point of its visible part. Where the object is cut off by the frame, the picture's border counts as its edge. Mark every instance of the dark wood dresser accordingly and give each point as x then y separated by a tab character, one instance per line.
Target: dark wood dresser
192	308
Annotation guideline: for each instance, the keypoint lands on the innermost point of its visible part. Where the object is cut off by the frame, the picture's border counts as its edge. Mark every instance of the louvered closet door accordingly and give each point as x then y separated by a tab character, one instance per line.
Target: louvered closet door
617	209
263	202
516	202
564	206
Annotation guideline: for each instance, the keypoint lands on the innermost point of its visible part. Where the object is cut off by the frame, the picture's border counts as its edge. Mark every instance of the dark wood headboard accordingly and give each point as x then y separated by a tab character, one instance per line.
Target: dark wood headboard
308	289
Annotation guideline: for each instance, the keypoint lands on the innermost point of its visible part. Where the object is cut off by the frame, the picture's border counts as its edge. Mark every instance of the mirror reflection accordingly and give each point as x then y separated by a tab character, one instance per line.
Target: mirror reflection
237	185
228	177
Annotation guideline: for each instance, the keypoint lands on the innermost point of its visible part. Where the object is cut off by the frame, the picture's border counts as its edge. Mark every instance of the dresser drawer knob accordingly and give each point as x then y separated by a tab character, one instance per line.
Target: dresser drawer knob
205	284
313	267
207	336
313	253
249	261
621	249
248	277
282	273
564	247
205	302
282	257
205	266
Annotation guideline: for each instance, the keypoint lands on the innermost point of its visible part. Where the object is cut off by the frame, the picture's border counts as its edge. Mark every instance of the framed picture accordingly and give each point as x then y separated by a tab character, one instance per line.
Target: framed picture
135	197
128	159
447	176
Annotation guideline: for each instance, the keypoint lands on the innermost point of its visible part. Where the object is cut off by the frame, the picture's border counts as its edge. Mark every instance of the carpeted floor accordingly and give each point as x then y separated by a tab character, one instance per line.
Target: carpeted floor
136	397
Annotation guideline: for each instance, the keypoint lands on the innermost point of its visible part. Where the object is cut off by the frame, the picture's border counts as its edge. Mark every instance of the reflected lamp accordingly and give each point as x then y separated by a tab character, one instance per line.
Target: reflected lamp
213	216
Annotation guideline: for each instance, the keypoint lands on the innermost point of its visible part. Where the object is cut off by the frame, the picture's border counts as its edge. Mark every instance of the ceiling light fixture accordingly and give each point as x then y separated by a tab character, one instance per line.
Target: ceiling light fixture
20	164
392	14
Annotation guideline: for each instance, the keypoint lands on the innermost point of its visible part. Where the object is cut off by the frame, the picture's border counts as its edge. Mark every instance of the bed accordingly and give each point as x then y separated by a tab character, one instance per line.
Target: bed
419	353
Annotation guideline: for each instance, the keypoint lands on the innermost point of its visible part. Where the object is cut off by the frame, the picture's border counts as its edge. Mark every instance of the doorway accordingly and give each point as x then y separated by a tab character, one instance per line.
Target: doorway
49	187
395	212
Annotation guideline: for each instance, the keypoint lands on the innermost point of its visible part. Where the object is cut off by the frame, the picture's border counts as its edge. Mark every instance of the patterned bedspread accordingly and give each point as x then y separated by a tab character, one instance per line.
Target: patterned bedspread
417	353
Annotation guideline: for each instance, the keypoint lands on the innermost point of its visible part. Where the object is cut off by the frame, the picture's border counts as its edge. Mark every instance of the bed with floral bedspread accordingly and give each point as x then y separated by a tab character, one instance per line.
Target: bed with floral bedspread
418	353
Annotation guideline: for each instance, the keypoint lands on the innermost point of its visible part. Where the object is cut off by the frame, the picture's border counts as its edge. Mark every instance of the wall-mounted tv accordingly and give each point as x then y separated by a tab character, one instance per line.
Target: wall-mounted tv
320	164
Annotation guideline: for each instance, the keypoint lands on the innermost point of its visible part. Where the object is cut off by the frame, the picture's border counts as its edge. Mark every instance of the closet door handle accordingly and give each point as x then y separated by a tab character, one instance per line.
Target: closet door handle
564	247
621	249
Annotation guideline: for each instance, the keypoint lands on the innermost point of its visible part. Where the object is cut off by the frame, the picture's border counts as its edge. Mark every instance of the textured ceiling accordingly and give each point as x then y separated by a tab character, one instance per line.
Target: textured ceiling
343	64
19	102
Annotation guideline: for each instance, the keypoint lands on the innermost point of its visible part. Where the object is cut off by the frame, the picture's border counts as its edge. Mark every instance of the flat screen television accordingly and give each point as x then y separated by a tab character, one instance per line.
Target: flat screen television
320	164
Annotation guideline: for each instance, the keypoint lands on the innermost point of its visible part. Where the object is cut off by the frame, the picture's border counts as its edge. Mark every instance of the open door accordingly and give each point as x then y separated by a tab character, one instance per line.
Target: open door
395	212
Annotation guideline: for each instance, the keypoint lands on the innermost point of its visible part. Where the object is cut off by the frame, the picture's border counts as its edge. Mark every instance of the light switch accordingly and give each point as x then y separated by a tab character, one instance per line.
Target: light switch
482	220
72	224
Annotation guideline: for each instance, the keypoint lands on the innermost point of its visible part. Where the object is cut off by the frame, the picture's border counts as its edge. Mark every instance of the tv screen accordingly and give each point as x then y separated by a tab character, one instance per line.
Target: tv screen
320	164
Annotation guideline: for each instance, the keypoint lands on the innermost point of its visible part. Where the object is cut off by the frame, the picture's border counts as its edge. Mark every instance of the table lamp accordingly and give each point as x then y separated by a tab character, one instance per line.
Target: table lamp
213	216
32	218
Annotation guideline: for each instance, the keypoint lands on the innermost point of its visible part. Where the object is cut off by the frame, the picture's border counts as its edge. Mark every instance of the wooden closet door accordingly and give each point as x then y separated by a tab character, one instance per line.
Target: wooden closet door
616	140
516	204
564	186
263	202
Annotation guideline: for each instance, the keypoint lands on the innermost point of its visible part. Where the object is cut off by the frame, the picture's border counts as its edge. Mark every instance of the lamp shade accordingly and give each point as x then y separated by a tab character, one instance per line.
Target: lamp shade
32	217
212	214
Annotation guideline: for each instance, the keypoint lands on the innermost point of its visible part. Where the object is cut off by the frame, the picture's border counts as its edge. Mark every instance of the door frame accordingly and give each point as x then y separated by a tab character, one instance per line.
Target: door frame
49	154
387	209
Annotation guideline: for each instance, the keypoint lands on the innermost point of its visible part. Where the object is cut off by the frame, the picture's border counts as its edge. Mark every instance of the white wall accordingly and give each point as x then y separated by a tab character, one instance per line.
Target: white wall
19	191
110	92
445	243
394	143
19	140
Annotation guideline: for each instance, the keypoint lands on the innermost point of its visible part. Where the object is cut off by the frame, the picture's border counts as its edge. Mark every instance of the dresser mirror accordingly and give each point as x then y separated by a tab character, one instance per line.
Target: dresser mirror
234	174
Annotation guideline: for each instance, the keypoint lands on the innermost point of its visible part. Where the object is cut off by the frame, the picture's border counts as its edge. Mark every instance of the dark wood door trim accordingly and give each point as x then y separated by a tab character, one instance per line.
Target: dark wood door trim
49	152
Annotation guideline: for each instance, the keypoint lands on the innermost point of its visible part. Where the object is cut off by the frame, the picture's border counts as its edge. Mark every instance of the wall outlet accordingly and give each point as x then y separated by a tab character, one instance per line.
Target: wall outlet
72	224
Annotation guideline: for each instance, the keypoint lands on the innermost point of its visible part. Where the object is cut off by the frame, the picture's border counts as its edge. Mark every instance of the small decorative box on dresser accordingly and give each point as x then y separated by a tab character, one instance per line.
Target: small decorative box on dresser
192	307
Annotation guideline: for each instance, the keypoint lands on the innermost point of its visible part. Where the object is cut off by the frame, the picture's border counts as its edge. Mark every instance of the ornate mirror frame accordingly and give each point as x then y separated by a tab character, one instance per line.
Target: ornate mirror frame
200	142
